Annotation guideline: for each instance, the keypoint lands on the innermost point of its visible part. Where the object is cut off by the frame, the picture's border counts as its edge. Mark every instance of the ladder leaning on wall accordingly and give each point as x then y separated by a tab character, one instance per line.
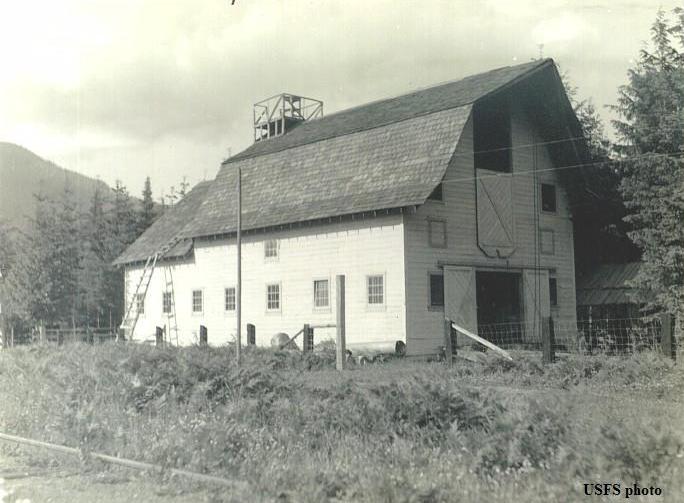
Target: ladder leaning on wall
133	311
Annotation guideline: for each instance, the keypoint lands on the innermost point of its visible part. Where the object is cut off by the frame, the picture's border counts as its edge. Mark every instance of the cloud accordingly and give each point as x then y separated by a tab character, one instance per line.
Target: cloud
123	88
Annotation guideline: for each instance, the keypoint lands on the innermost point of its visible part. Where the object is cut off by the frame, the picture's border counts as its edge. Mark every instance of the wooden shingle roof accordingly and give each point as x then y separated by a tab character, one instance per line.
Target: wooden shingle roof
166	229
386	154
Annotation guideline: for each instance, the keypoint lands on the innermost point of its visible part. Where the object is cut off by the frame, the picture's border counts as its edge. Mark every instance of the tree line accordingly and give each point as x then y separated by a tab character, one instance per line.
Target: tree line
61	273
633	204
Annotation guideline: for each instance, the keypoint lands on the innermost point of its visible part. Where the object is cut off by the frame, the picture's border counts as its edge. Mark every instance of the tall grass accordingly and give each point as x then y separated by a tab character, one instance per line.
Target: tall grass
296	430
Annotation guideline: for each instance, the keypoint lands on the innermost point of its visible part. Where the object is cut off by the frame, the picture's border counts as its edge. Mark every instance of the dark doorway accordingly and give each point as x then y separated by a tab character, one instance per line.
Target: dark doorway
499	312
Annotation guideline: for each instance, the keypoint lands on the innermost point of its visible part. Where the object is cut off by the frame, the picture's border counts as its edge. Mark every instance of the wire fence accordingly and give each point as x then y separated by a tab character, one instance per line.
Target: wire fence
609	336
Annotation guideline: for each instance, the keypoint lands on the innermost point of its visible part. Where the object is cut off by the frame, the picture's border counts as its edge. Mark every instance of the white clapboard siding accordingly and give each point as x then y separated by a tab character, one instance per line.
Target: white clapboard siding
354	248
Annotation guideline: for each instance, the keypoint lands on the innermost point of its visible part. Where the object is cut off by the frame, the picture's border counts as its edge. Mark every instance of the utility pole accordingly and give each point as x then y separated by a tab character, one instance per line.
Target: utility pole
238	289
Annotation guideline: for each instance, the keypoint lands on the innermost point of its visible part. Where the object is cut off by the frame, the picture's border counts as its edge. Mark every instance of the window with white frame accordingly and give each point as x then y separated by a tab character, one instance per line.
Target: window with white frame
229	299
271	249
166	302
140	303
273	297
197	301
375	286
321	293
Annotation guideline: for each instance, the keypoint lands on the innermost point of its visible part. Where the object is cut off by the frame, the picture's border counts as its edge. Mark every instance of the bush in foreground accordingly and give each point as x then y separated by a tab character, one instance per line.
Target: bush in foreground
402	432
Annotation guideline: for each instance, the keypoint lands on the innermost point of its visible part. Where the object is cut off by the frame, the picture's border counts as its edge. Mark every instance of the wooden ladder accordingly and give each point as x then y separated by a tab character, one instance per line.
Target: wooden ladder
172	325
130	319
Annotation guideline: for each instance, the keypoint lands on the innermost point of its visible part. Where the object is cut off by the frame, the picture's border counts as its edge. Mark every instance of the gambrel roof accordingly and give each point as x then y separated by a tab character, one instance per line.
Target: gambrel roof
383	155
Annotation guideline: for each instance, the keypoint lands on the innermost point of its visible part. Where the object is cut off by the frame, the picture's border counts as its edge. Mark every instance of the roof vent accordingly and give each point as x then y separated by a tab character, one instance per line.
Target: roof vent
279	114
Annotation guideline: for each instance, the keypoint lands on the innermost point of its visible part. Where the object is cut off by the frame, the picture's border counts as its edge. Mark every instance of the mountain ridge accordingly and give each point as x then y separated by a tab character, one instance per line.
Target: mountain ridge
23	173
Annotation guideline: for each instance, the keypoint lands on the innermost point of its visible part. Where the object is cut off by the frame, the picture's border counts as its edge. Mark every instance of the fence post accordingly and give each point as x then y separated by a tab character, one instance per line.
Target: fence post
307	340
41	333
12	335
204	338
159	336
448	349
667	338
548	354
251	334
60	337
340	327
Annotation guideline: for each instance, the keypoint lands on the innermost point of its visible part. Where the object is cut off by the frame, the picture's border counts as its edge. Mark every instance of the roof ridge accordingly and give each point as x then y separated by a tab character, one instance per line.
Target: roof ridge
431	86
534	65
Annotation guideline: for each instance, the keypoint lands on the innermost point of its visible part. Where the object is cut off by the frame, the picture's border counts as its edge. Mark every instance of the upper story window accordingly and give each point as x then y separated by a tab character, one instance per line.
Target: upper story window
271	249
437	194
437	233
492	135
548	197
547	241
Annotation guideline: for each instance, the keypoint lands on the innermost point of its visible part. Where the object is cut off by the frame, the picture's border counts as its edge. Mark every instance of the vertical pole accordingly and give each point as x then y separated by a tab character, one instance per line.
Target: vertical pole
238	289
667	338
12	335
548	354
340	326
448	350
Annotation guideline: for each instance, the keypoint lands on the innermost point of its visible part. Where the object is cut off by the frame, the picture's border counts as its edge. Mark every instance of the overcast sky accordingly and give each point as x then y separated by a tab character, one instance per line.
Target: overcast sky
122	89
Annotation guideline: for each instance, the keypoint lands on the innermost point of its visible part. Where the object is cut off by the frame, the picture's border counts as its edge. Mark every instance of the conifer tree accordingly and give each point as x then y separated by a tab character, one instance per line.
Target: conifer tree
651	130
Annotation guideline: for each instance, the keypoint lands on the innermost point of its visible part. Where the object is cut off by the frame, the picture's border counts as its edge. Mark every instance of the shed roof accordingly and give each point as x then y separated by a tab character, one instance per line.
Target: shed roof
607	284
167	228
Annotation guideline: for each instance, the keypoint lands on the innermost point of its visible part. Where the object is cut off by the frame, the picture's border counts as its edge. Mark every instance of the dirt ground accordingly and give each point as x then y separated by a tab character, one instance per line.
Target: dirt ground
21	481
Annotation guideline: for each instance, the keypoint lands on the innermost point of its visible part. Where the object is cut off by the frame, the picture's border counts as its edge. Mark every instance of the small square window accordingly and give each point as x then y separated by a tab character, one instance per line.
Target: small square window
436	290
140	303
548	197
321	293
166	302
229	299
376	289
273	297
437	194
437	233
271	249
547	243
553	291
197	301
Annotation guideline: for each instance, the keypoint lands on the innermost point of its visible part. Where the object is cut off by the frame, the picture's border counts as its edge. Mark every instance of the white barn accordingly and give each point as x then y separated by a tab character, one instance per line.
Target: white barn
443	202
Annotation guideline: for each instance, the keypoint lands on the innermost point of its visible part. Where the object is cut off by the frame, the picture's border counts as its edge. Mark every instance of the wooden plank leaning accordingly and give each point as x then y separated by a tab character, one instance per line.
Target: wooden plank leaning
482	341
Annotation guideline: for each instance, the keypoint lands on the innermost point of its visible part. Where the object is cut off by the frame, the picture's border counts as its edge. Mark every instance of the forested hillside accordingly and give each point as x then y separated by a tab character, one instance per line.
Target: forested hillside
23	174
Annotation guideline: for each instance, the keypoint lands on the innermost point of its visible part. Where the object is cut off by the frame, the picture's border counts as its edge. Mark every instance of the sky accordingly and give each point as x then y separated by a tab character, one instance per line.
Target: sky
124	89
